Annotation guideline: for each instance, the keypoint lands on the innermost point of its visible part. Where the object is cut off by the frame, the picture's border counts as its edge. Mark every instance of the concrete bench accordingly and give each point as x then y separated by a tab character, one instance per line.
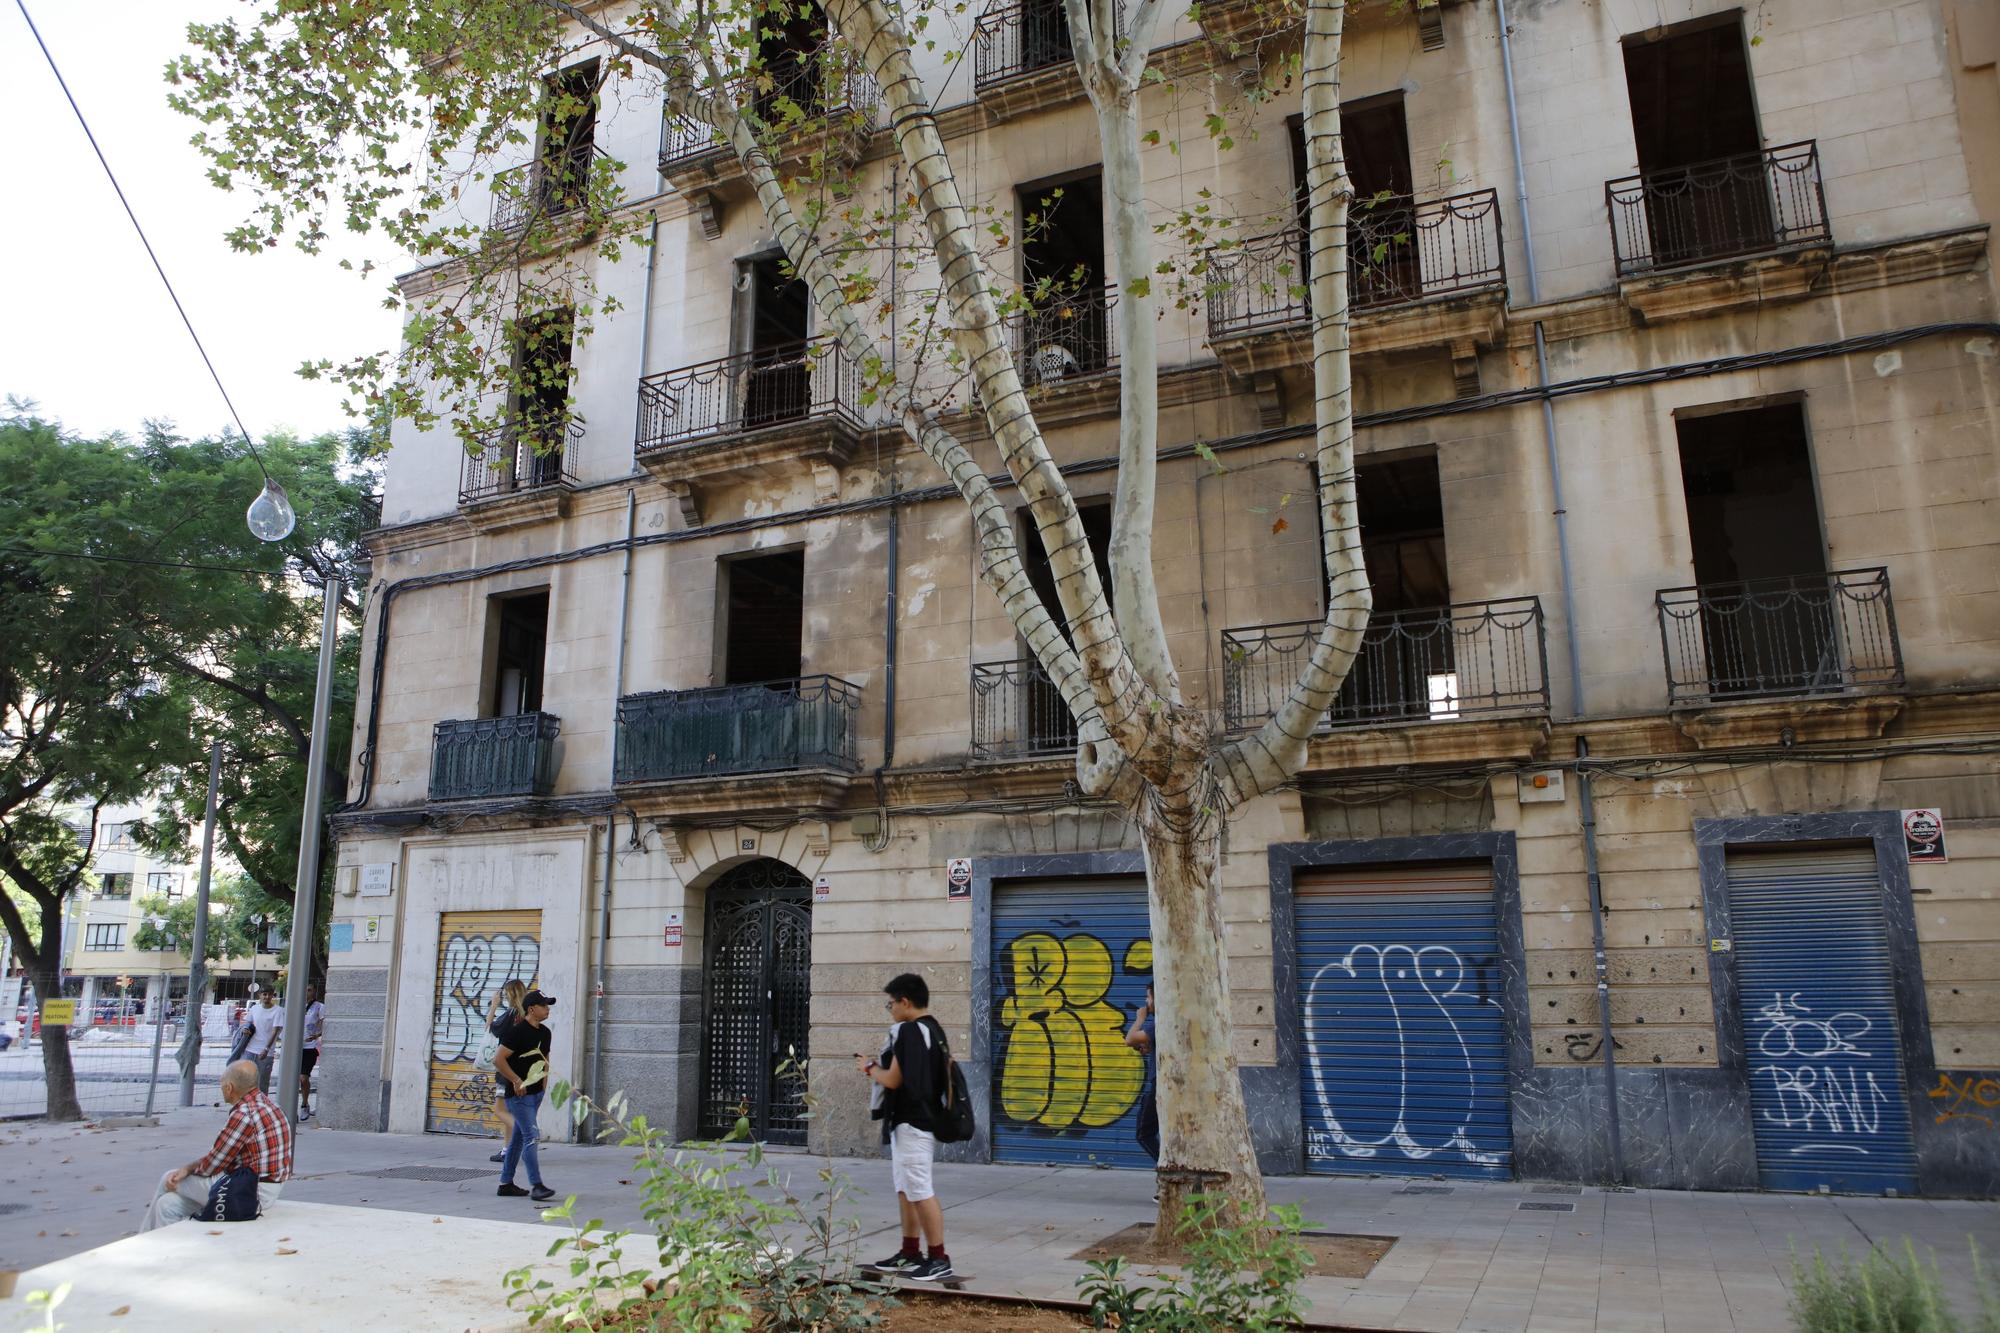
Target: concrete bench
302	1267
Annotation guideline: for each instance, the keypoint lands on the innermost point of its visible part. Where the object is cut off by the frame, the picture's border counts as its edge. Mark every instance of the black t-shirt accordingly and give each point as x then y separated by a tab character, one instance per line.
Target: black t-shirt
524	1041
921	1062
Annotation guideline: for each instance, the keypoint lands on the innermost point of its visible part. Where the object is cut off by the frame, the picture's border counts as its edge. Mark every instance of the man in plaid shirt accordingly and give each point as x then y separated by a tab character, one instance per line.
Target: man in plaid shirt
255	1136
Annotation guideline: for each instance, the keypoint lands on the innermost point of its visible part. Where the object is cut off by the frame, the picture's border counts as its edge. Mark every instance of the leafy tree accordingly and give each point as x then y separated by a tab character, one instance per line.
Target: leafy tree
237	915
140	619
387	114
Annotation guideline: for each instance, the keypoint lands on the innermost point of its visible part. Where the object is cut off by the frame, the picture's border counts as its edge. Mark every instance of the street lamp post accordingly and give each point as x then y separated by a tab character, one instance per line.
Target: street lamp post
189	1054
306	884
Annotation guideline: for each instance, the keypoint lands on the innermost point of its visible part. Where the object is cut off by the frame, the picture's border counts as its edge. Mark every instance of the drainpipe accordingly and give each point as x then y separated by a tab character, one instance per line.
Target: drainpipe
611	821
1542	371
1587	800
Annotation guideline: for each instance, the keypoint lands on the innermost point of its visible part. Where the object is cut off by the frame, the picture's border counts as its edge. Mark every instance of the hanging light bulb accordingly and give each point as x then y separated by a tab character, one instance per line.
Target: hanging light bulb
271	517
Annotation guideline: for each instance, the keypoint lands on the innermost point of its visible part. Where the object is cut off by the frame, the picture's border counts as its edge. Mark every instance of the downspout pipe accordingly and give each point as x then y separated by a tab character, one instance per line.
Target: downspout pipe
611	820
1549	439
1594	885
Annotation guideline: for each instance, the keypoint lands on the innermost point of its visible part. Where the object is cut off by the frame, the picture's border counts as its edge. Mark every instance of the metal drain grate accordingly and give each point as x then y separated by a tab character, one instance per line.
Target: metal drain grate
435	1173
1425	1189
1557	1189
1545	1206
9	1209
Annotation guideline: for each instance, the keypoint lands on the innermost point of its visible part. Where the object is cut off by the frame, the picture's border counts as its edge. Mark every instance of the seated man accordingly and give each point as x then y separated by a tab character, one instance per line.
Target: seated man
255	1136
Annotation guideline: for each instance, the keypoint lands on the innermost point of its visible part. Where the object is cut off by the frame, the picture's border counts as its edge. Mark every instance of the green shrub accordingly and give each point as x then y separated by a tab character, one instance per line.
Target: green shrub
1243	1277
1883	1293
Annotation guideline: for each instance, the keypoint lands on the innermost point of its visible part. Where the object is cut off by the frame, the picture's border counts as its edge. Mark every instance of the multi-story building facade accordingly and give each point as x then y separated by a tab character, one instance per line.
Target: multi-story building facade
1678	370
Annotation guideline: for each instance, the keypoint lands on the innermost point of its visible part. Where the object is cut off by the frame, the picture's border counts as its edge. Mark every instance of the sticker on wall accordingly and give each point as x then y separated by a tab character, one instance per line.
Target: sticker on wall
671	936
377	881
822	890
958	877
340	939
371	929
1923	836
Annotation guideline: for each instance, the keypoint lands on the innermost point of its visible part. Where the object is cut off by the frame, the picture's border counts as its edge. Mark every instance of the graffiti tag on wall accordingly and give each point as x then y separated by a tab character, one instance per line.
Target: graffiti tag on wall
1818	1090
1427	983
1066	1061
1967	1097
472	971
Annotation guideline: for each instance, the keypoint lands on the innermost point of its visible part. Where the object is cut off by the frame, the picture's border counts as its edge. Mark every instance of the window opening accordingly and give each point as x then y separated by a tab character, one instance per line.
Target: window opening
765	623
1067	329
778	386
1694	114
520	647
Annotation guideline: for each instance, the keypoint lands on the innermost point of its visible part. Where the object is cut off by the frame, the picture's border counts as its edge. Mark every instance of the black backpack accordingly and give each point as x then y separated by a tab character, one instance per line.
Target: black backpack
232	1198
954	1120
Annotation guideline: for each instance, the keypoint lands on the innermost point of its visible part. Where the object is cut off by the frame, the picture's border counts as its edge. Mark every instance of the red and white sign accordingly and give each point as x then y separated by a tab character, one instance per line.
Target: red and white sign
1923	836
822	890
672	935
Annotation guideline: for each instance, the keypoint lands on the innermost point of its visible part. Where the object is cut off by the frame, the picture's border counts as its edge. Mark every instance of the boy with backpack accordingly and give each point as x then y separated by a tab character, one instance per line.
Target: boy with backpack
916	1074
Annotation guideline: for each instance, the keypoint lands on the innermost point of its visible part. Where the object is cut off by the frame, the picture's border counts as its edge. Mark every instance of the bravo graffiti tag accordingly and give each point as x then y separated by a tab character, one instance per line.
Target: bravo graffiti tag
1968	1097
1828	1098
1432	977
1066	1061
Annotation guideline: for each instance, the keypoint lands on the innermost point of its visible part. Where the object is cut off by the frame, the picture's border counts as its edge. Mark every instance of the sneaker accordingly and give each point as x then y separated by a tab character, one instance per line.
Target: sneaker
498	1157
512	1191
895	1263
541	1194
928	1270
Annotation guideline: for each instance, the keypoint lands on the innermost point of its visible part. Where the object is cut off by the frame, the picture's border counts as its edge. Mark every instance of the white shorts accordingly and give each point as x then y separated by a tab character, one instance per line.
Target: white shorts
910	1153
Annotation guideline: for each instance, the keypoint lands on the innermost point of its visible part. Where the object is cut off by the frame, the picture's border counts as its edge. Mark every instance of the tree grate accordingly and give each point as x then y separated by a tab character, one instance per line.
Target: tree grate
432	1173
1545	1206
1557	1189
1425	1189
9	1209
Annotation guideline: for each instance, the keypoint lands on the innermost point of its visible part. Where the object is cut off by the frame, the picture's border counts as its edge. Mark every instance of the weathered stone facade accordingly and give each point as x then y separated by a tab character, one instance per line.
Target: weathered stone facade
1881	334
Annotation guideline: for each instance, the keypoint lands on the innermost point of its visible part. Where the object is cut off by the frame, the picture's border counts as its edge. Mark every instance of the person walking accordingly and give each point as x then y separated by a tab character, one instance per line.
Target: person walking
267	1028
506	1008
913	1070
1142	1037
522	1064
315	1023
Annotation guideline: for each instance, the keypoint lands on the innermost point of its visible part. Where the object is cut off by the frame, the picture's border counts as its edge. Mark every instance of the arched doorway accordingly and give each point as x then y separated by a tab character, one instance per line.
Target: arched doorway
758	1001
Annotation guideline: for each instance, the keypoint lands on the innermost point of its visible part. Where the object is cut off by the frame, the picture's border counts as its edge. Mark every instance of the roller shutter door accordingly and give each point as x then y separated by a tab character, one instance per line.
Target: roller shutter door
478	953
1071	960
1405	1055
1811	955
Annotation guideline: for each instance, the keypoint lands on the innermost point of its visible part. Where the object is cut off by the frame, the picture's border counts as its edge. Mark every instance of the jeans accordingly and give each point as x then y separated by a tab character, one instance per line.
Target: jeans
264	1064
521	1143
1149	1123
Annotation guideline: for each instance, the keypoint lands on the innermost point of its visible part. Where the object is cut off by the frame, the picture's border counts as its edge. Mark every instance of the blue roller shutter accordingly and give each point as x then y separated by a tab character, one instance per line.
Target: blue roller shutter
1405	1054
1811	955
1071	960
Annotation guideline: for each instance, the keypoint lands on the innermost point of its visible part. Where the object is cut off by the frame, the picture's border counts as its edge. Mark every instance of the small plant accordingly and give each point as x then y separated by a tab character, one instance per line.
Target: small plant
725	1256
1239	1276
1885	1294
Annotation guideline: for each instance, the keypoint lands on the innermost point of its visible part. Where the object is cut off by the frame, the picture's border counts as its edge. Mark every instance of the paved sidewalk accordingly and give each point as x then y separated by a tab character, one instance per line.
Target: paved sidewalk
1473	1258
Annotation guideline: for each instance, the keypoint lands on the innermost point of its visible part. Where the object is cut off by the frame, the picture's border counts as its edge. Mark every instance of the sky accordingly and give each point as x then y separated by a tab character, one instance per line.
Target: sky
88	332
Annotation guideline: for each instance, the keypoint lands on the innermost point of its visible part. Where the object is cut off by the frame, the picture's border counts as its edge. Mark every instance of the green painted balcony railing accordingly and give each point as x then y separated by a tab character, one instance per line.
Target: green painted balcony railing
494	756
763	728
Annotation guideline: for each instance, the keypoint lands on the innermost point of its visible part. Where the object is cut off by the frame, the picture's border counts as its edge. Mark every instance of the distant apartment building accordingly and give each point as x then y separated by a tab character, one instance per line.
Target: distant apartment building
1678	369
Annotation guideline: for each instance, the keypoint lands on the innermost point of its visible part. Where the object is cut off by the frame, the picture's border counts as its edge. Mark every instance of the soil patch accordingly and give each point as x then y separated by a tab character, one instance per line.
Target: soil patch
923	1313
1333	1255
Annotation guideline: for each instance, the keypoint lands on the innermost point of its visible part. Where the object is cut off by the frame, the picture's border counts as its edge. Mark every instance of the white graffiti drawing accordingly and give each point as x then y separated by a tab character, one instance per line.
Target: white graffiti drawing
1440	974
473	969
1818	1099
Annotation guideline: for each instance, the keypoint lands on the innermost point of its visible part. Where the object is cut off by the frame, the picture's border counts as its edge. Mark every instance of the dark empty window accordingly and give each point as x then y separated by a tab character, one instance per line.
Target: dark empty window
1067	330
765	621
1382	252
775	315
1096	518
568	134
1694	123
789	49
543	371
519	646
1045	38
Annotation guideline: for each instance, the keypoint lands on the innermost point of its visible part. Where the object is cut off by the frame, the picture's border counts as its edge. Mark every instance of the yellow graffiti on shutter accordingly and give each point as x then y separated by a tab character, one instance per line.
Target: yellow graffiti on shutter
1067	1061
478	953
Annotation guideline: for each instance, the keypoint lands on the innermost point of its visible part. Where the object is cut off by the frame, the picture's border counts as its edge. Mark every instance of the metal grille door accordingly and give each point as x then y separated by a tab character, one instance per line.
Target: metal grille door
1811	950
1071	960
1405	1038
759	977
478	953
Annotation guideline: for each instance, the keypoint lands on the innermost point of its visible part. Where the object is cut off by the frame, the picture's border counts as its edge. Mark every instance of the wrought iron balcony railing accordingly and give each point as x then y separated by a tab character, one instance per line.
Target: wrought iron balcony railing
846	104
1066	337
1013	40
524	455
767	728
1799	635
1723	209
494	756
1432	665
1018	712
751	391
548	187
1399	250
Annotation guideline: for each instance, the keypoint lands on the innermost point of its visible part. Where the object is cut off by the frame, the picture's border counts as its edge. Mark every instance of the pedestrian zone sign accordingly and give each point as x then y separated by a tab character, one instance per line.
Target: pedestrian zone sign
58	1013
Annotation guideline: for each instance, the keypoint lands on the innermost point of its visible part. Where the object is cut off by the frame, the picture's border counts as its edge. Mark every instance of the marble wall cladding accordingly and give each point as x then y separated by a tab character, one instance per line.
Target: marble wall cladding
348	1083
1957	1123
1678	1128
1277	1129
652	1037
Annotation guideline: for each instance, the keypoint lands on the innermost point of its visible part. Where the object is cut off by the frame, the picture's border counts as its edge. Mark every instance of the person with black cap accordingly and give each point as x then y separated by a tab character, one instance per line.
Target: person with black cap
522	1065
